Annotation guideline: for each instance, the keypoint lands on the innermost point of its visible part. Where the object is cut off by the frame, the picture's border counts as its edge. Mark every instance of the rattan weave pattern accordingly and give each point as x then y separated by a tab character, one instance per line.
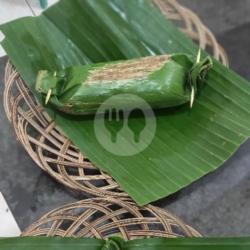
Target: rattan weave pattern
105	217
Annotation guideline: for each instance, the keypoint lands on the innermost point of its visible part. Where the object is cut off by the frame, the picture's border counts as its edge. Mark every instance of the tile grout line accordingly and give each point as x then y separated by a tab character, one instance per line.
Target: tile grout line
30	7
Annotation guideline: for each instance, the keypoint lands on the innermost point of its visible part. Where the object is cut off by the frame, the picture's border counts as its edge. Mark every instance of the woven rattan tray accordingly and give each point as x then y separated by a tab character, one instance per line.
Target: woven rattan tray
49	147
105	217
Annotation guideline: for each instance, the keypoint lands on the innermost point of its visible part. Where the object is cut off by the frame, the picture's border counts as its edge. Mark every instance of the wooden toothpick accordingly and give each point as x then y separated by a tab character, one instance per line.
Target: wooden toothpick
48	96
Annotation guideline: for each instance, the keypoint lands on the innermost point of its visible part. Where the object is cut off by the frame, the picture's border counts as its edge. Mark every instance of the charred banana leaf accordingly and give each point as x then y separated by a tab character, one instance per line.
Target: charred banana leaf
162	81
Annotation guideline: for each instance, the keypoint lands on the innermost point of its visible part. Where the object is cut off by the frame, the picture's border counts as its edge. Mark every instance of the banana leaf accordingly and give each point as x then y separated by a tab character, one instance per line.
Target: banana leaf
115	243
162	81
187	144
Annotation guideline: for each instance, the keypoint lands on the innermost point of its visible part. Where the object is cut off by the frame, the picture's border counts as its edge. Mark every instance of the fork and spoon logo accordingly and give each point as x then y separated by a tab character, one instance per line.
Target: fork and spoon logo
116	129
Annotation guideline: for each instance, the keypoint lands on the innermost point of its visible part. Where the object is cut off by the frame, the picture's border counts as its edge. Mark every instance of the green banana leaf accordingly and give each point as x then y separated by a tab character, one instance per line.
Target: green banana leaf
169	85
46	243
188	143
56	243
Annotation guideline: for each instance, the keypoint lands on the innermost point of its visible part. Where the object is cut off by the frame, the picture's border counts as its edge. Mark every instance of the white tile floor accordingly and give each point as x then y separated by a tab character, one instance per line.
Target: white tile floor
8	225
13	9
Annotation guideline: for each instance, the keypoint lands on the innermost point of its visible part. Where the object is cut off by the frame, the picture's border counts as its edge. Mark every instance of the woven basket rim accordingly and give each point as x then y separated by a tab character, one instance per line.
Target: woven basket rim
106	217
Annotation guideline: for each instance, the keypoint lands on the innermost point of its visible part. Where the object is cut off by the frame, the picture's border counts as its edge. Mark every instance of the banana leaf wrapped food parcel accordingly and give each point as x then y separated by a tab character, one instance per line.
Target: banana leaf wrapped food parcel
162	81
117	243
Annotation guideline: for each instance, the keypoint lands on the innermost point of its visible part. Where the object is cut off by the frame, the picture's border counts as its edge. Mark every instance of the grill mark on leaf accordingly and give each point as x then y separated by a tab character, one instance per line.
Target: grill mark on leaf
132	69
